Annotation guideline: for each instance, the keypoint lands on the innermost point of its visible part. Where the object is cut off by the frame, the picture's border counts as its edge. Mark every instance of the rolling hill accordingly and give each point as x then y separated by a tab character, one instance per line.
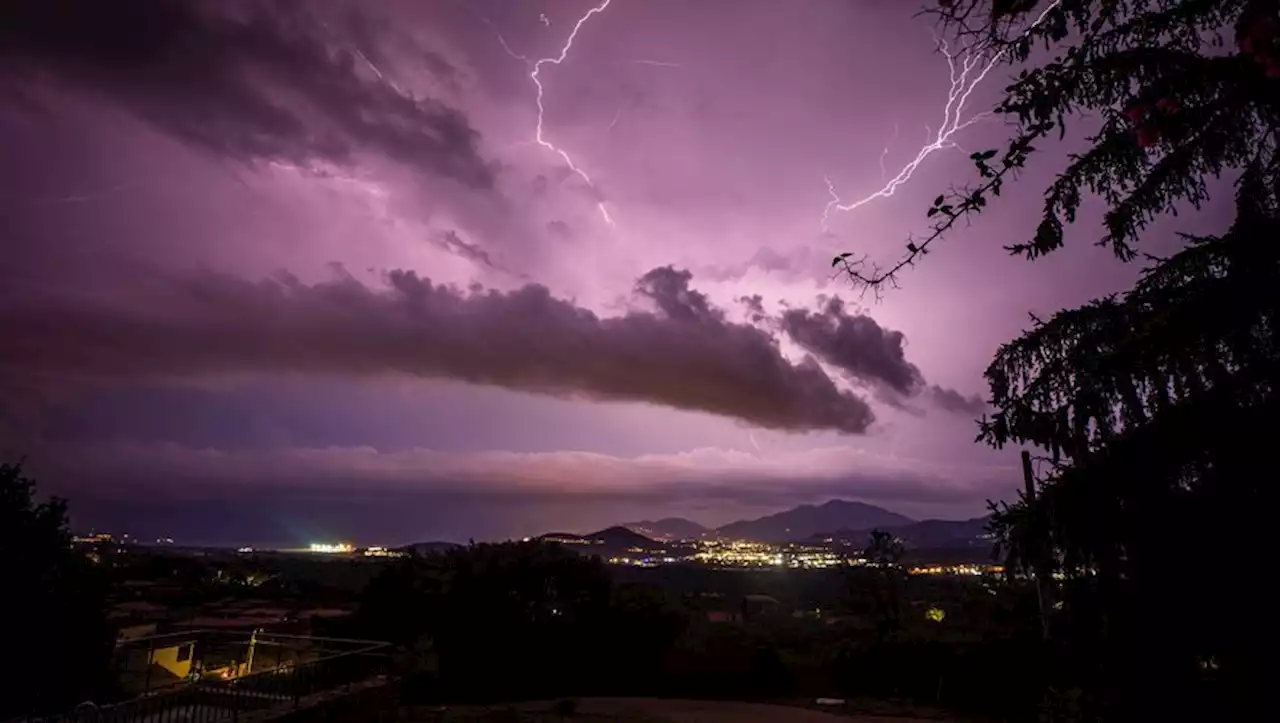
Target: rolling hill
608	541
668	528
805	521
428	548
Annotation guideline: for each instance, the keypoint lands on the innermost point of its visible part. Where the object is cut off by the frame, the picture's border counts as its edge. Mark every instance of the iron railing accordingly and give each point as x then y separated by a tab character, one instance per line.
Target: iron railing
212	650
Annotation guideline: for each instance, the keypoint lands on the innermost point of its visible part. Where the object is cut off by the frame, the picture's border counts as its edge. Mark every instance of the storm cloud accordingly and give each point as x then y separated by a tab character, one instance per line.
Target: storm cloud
246	136
248	80
453	242
685	356
867	352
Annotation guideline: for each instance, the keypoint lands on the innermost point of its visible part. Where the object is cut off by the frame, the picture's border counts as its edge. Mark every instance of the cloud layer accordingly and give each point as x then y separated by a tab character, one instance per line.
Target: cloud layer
865	351
248	80
397	497
252	135
685	356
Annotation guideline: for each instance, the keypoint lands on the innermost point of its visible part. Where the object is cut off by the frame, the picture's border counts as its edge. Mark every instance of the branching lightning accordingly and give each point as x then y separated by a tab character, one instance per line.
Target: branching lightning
535	76
966	75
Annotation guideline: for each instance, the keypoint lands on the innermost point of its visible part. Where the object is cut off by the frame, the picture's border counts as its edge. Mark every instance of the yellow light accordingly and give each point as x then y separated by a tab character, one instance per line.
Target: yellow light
331	549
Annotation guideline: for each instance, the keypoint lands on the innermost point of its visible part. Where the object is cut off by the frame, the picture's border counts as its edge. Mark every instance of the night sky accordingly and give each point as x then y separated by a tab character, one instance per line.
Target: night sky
291	271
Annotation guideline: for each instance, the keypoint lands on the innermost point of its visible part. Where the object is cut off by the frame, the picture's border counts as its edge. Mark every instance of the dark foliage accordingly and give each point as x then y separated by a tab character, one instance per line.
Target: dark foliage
56	633
1185	90
516	620
1150	407
520	621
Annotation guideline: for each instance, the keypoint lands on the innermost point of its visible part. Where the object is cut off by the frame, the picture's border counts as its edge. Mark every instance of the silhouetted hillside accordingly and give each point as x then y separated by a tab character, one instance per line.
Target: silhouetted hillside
931	534
805	521
427	548
607	542
619	537
668	528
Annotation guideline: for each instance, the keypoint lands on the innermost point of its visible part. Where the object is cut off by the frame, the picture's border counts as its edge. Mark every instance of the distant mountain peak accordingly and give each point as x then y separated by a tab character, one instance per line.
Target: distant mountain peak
615	530
806	520
668	528
610	540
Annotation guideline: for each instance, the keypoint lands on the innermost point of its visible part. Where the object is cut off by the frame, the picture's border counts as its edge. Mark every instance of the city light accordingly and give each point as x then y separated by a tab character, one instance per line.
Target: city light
969	569
739	553
794	555
570	540
96	538
340	548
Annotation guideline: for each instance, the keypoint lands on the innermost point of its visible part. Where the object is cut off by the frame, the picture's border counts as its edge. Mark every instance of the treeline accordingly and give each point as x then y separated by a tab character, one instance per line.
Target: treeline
516	621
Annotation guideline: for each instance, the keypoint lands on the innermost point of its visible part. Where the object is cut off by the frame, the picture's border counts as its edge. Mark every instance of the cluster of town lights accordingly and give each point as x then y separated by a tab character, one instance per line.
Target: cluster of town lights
741	553
956	570
757	554
340	548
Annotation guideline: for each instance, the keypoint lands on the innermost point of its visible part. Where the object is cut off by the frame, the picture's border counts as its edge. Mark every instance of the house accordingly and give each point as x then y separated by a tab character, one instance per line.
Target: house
175	657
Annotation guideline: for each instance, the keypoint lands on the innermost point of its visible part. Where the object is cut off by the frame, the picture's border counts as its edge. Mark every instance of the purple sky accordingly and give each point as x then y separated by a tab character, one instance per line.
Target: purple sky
296	271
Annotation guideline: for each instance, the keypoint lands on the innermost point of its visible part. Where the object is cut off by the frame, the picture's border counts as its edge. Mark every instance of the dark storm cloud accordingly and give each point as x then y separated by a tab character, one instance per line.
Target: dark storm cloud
868	352
953	401
668	288
686	357
754	305
261	84
450	241
854	343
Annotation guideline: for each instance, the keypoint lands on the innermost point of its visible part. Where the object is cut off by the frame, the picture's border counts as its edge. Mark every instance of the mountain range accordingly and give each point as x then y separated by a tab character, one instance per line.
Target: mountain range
841	520
797	523
805	521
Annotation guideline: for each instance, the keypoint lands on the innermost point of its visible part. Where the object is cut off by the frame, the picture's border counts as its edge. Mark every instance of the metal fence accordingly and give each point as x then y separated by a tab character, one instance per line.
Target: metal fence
277	691
210	651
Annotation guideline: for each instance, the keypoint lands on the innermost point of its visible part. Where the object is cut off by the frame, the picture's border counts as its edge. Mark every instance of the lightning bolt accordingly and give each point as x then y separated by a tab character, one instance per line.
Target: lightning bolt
964	80
369	63
535	76
966	75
